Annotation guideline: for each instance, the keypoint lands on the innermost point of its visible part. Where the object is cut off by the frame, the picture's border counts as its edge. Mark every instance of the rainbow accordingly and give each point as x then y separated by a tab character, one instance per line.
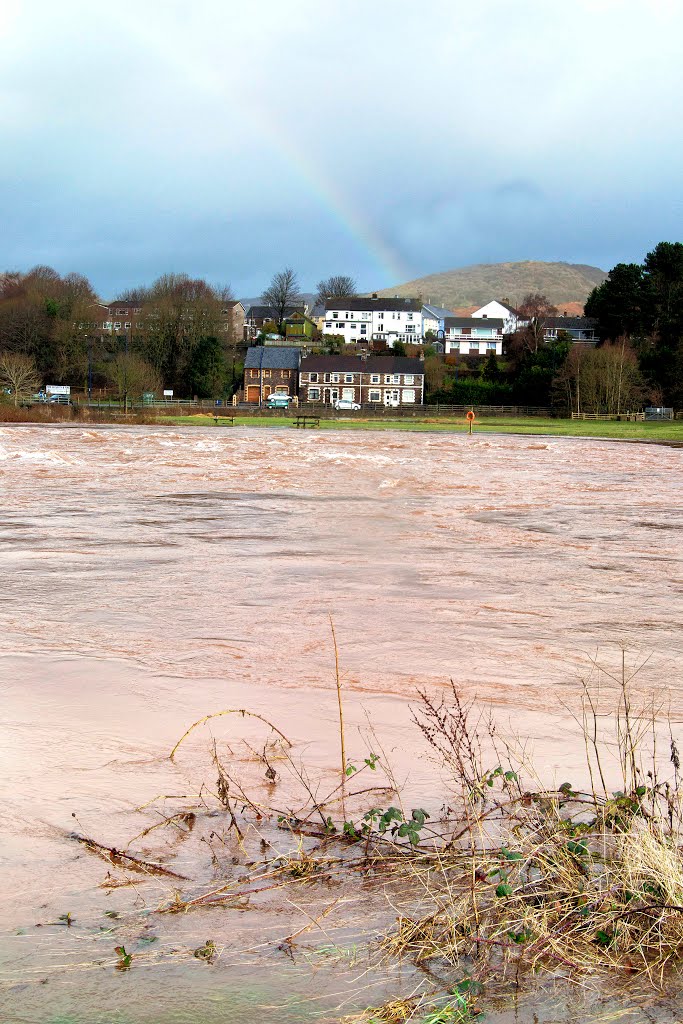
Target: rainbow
331	197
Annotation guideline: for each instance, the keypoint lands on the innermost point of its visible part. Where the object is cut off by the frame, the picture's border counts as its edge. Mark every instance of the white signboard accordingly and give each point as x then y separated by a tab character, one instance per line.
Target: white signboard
58	389
168	394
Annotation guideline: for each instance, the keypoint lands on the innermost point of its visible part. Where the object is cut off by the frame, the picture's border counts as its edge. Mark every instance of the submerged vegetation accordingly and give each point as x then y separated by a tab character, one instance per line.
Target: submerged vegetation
502	882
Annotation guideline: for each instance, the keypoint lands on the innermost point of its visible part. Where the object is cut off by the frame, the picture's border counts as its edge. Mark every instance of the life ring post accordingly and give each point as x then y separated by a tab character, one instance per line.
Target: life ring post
470	419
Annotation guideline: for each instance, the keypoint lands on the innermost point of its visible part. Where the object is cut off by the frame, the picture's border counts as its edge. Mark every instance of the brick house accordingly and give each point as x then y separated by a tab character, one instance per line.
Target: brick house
269	369
377	380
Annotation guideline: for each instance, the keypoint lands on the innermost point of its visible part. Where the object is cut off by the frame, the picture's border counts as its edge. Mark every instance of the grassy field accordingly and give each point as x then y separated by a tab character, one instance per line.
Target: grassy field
611	429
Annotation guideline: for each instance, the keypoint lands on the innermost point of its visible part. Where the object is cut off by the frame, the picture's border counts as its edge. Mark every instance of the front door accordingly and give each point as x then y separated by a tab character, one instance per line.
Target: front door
392	397
332	394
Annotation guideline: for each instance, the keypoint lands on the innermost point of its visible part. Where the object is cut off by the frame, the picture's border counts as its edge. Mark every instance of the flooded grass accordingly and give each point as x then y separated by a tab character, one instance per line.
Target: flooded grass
667	431
502	886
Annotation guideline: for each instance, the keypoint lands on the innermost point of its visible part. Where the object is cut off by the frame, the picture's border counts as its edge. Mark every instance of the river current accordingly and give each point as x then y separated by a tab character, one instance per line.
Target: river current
152	575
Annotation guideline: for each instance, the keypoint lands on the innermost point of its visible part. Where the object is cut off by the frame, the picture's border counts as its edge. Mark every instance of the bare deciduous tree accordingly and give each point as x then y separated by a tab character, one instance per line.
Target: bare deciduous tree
603	380
282	293
19	375
133	376
535	309
339	286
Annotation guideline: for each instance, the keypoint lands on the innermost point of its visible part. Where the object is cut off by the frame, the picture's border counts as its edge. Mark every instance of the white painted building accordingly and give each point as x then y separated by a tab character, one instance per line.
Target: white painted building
359	321
500	311
474	336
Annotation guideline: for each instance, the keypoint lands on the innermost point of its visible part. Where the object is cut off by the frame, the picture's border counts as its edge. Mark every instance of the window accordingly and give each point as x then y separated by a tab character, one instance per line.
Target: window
474	349
117	325
313	377
334	377
137	309
392	378
374	378
313	394
348	378
363	328
409	378
410	316
266	374
327	378
253	373
349	394
341	325
375	395
466	330
408	395
328	325
127	326
335	316
380	316
410	328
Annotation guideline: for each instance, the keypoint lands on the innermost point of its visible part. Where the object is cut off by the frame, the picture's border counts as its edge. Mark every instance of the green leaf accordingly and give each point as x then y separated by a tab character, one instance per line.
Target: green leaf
510	854
511	776
503	890
641	790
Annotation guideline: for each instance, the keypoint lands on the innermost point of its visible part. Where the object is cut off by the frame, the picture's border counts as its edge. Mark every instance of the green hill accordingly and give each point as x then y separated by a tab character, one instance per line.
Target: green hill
473	286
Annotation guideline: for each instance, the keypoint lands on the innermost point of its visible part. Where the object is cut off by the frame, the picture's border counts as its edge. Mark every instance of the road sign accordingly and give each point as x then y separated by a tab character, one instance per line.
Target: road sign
168	394
58	389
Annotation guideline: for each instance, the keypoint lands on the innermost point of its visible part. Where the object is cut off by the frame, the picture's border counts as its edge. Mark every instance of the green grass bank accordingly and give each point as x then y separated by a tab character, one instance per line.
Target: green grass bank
663	432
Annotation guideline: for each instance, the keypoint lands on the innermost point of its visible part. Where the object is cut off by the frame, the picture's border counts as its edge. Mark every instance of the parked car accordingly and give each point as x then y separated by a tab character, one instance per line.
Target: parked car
345	404
277	401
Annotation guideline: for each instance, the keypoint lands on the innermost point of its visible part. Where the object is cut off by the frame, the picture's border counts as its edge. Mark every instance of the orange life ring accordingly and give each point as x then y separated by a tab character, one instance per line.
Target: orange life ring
470	415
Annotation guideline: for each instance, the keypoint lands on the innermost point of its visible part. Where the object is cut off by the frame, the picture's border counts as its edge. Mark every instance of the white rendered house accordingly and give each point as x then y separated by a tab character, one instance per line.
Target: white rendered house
360	320
500	311
474	336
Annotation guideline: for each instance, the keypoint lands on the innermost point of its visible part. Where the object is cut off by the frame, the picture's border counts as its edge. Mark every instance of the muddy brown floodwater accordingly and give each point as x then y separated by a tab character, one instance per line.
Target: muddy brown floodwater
151	576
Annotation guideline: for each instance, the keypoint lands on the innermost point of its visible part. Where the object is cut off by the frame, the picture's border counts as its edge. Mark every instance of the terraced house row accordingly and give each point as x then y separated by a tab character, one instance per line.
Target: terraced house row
372	380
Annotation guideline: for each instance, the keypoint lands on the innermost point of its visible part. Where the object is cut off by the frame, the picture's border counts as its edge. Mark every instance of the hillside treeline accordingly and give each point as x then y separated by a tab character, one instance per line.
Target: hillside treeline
639	311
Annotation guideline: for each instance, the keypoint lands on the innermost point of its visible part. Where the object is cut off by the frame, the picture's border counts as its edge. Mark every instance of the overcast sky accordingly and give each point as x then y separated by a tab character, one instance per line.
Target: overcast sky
382	138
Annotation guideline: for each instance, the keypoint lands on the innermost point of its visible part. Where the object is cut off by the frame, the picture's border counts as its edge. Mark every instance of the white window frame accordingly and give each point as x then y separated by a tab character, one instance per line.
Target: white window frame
313	377
375	378
314	394
334	378
409	378
348	378
375	395
408	395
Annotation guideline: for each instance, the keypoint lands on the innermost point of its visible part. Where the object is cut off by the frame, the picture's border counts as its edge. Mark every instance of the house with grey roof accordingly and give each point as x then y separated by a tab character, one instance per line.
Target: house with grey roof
473	336
257	316
583	330
433	319
362	320
270	369
377	380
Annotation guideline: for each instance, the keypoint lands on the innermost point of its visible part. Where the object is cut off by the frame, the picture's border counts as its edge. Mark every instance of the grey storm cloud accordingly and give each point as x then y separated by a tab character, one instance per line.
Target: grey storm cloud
378	139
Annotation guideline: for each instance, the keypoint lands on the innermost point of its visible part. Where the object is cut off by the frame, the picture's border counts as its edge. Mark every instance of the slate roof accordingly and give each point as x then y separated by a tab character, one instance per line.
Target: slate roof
272	357
367	305
354	364
269	312
571	323
473	321
437	312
